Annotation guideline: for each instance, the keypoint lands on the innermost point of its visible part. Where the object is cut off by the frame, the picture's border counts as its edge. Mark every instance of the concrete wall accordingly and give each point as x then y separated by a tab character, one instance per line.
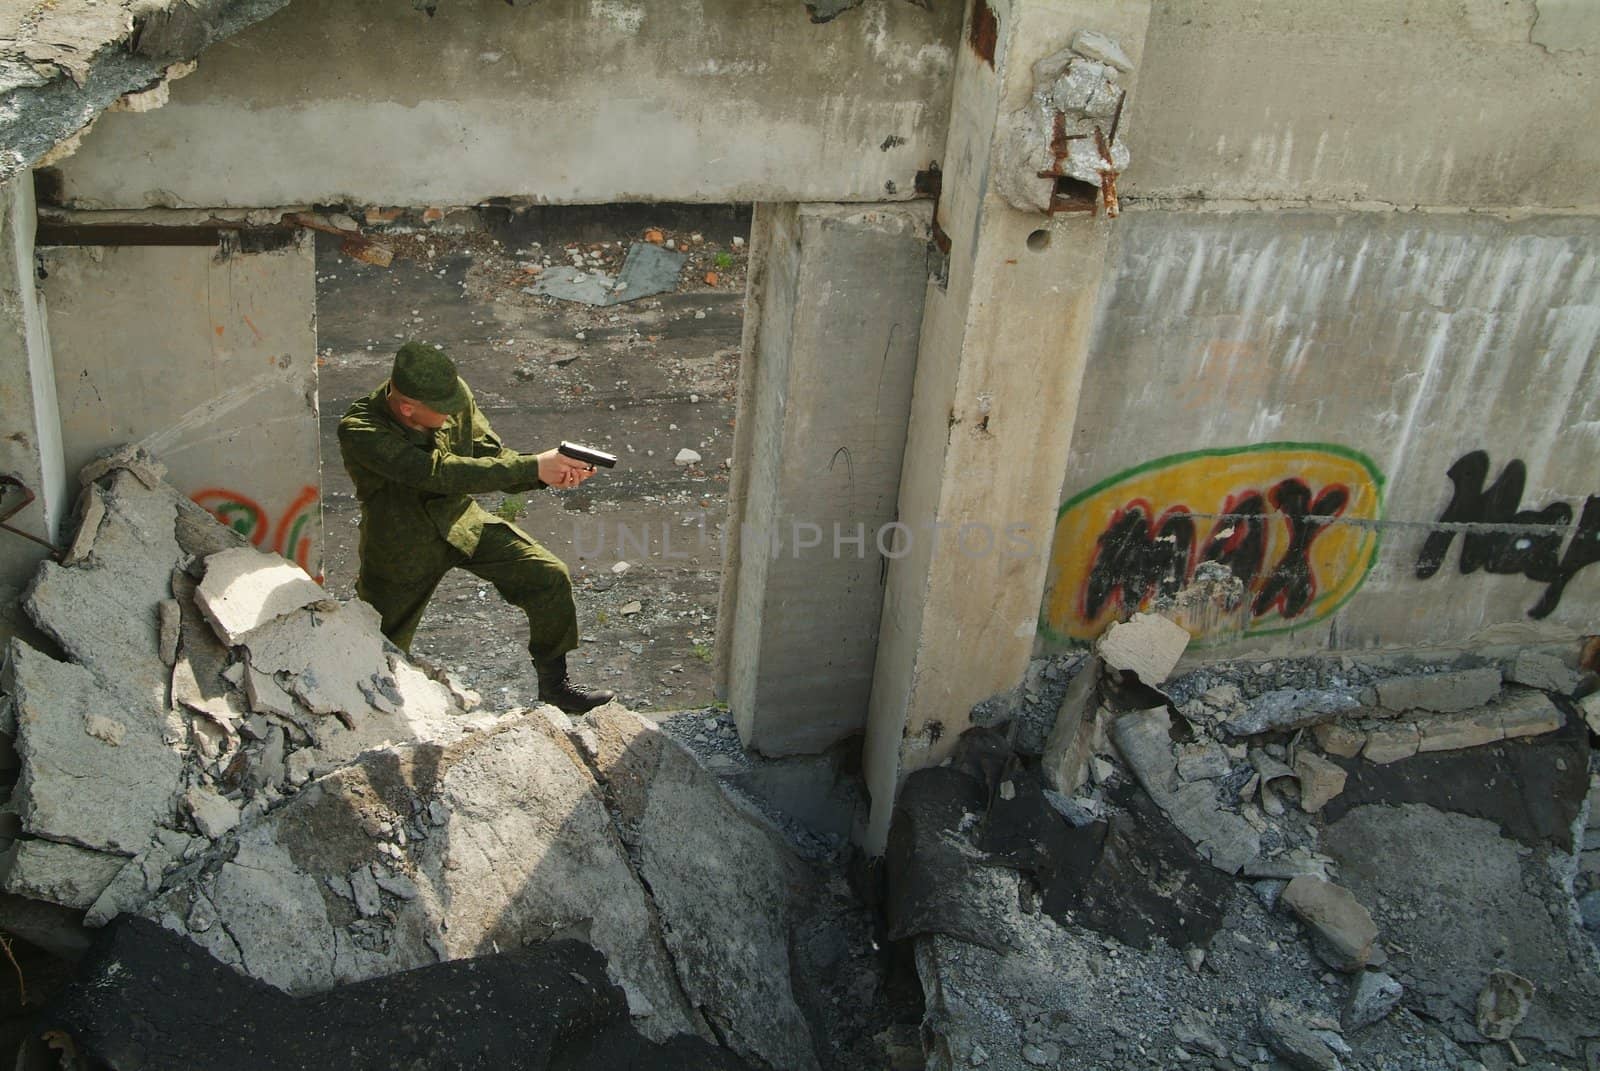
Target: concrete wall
1433	102
1385	371
209	359
30	432
564	101
832	326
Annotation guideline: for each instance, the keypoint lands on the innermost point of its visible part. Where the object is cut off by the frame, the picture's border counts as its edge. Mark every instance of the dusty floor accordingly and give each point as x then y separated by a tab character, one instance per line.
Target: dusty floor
644	380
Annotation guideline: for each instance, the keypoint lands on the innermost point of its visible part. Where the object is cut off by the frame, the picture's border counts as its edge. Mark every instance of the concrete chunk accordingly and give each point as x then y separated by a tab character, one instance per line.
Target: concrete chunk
1529	714
1442	693
1342	930
1461	731
1320	780
1066	752
1543	671
213	815
1288	708
1338	738
245	588
169	620
1391	743
1146	645
1373	996
326	655
94	772
58	873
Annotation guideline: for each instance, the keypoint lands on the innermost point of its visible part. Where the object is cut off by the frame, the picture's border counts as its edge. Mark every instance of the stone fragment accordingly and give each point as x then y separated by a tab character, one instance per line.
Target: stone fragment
1373	996
245	588
325	655
265	694
399	886
213	814
1146	645
1338	738
1100	48
1288	708
686	457
1342	930
58	873
1320	780
1392	742
1202	762
1543	671
1285	1030
1067	749
1442	693
1503	1003
1224	838
93	510
1590	707
365	889
1193	1032
94	771
170	617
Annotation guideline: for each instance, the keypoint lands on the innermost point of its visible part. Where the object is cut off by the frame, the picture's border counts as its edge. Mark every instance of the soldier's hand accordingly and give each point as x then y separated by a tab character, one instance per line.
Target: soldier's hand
558	470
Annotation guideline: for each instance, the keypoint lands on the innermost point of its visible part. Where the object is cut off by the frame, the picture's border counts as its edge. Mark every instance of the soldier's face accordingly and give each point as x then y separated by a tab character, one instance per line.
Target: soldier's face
414	415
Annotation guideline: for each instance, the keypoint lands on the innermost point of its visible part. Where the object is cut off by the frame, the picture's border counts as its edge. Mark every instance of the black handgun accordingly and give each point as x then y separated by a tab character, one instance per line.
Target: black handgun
587	454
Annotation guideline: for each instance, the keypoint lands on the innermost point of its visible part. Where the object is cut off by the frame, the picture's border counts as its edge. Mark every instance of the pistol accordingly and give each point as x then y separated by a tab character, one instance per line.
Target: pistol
587	454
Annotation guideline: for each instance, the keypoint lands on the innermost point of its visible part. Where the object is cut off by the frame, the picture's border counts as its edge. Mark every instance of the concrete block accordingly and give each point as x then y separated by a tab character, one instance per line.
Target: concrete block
1543	671
245	588
94	771
1339	738
1443	693
1342	930
1288	708
1391	743
1320	780
57	873
213	814
1146	645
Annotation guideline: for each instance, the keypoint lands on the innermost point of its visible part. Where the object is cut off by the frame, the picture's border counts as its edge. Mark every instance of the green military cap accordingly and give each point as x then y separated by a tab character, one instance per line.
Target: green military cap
424	373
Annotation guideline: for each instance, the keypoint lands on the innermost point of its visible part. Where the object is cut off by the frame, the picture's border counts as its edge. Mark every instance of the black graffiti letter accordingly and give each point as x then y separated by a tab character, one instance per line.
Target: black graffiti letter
1293	584
1584	550
1131	563
1241	541
1533	551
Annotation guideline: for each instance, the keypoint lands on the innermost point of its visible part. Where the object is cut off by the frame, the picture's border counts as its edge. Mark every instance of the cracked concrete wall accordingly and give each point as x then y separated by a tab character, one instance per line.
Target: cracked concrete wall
565	101
1482	102
1424	381
208	358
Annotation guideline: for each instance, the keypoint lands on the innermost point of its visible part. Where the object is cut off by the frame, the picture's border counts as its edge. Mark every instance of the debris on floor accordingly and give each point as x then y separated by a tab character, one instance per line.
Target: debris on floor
648	270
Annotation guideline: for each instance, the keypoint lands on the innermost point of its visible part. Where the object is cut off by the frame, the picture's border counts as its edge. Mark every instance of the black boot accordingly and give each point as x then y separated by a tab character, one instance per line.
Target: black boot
555	688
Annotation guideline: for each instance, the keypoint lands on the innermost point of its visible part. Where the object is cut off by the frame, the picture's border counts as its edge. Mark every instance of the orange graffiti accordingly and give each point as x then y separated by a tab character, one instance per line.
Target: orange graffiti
295	535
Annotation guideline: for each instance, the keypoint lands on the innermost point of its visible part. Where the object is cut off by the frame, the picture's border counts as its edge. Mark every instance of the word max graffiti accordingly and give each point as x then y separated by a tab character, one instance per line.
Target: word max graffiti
295	534
1526	541
1264	512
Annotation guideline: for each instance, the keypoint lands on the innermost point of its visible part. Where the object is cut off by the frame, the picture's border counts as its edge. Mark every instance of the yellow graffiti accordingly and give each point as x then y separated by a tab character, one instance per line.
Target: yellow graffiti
1294	521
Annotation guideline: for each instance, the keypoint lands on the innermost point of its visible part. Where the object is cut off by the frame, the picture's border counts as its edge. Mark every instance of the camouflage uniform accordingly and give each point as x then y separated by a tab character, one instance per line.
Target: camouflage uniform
417	522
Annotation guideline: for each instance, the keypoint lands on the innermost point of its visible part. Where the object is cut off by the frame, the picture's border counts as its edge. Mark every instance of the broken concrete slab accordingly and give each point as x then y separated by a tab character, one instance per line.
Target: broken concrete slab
1392	742
1342	929
1442	693
1220	835
1465	901
245	588
1069	746
102	610
1338	738
95	771
213	815
721	883
138	880
61	874
1146	645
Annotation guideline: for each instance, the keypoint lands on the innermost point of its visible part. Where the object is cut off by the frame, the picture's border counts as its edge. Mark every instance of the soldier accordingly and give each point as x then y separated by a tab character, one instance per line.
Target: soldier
417	448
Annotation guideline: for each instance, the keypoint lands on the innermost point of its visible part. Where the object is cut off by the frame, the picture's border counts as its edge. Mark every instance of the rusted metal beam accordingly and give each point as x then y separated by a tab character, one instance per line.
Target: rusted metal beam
7	512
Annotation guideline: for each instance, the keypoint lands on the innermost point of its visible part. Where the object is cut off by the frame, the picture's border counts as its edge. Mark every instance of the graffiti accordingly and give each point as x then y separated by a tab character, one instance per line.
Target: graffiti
295	535
1513	540
1266	513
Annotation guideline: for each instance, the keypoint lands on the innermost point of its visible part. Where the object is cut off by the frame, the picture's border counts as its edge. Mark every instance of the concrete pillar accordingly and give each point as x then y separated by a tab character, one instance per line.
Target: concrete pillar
30	423
834	311
1001	358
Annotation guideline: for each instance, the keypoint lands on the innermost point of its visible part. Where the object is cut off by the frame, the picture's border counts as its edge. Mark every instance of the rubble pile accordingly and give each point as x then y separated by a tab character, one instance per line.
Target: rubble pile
1315	863
233	756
